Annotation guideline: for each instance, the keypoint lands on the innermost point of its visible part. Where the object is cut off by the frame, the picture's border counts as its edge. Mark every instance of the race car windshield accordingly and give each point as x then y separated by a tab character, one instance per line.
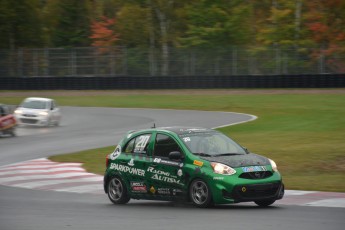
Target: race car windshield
34	104
211	144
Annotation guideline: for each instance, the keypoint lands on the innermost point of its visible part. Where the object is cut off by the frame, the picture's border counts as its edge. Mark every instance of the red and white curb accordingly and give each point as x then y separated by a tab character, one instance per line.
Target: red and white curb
43	174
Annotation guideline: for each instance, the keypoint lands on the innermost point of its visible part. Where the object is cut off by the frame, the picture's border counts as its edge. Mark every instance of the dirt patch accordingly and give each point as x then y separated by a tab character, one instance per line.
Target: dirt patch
168	92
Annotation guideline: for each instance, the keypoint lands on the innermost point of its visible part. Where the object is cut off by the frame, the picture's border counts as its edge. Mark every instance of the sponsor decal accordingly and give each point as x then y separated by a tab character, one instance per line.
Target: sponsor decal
186	139
176	191
152	190
165	162
218	178
179	172
131	162
153	170
198	163
127	169
138	187
163	191
165	179
254	169
116	153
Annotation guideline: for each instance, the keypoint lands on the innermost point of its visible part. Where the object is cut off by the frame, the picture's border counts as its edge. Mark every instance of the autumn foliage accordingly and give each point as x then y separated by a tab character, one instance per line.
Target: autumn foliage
103	33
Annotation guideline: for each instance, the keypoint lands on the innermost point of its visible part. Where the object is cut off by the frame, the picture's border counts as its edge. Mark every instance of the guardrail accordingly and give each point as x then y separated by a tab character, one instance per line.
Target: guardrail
172	82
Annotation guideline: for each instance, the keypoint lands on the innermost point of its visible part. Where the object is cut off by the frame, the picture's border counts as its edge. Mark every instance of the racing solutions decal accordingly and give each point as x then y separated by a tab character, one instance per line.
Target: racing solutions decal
127	169
116	153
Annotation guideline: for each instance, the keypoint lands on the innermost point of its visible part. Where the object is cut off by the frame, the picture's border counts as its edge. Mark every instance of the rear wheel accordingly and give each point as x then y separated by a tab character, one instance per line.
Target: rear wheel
264	203
117	191
200	194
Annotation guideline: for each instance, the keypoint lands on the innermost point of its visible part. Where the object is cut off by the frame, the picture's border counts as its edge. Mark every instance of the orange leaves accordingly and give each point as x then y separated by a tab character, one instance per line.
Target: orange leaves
103	33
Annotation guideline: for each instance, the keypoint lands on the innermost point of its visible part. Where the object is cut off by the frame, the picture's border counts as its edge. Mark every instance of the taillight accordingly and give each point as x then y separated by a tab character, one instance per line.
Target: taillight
107	161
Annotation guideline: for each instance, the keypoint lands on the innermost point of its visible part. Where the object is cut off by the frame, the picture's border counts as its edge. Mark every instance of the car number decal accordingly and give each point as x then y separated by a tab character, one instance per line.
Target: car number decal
140	146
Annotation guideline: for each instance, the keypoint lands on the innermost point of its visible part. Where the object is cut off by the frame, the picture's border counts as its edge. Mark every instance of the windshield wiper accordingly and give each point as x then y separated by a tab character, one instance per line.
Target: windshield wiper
203	154
227	154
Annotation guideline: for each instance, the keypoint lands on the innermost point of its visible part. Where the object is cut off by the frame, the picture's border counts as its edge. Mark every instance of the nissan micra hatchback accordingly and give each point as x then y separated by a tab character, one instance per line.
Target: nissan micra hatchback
38	111
199	165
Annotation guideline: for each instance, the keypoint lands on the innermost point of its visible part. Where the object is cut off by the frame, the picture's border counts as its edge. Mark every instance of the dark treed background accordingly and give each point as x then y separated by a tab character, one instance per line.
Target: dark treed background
91	44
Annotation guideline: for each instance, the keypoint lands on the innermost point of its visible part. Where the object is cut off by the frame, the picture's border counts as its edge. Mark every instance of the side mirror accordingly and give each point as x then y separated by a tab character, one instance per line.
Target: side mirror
175	155
245	149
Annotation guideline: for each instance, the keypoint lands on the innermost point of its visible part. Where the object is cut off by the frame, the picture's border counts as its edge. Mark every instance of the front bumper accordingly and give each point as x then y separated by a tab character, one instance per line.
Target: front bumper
236	189
253	192
37	120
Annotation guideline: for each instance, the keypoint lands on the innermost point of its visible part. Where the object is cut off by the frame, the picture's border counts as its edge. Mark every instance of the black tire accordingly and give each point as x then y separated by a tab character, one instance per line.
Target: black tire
264	203
117	191
200	194
13	133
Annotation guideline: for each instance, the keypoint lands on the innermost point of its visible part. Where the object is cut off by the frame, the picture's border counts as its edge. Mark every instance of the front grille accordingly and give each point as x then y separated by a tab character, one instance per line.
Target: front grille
29	115
256	175
28	121
254	192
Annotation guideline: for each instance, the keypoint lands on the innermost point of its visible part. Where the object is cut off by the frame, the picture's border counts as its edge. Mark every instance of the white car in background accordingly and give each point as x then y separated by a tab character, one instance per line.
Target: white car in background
38	111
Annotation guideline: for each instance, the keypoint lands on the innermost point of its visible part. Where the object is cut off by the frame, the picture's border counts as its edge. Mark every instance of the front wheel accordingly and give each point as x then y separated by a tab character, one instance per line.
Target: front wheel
264	203
117	191
13	133
200	194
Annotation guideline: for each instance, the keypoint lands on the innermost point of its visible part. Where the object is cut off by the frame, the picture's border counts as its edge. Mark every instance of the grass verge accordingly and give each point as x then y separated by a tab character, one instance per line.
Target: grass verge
303	133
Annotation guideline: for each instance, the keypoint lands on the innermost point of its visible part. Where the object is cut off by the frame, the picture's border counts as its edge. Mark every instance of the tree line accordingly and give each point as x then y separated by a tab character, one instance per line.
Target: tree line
166	24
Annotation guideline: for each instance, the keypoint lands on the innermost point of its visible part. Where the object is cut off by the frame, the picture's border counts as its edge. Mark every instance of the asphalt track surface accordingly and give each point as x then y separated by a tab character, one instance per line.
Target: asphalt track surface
85	128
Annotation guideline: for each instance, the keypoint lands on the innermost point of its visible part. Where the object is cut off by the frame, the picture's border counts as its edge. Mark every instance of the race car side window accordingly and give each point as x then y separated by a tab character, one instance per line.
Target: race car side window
165	145
138	144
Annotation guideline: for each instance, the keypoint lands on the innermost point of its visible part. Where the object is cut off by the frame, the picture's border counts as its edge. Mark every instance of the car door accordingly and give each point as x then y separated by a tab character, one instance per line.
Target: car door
164	175
135	159
55	111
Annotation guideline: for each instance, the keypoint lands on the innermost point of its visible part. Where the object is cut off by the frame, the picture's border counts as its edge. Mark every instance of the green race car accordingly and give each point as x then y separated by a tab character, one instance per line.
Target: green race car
199	165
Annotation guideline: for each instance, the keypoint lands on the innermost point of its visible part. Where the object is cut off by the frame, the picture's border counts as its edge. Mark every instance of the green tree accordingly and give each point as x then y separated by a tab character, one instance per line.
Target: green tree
217	23
20	24
133	26
73	22
284	26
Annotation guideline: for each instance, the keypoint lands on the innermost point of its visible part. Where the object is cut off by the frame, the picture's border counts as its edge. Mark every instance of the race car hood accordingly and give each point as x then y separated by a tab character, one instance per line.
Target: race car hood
236	161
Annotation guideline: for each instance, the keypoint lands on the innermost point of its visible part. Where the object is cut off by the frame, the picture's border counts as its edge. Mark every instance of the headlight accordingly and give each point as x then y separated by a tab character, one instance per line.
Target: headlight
222	169
43	113
18	111
274	165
